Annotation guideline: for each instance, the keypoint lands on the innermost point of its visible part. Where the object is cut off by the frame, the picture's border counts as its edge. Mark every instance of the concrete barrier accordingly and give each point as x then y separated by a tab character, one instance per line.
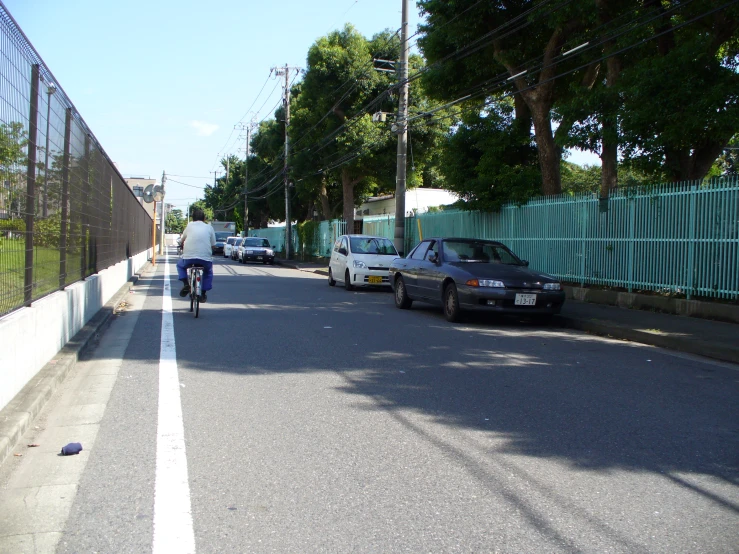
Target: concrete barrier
678	306
32	336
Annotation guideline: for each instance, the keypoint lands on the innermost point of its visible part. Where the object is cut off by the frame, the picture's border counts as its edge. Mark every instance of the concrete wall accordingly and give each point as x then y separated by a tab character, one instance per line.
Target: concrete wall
30	337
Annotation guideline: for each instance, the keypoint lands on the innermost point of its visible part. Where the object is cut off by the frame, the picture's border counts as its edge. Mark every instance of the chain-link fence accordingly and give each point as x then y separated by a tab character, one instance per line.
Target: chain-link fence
65	211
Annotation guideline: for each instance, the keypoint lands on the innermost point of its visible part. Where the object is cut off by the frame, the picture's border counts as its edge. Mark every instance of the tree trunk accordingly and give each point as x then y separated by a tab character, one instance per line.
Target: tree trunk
540	100
347	187
549	154
609	159
703	159
323	195
522	124
609	154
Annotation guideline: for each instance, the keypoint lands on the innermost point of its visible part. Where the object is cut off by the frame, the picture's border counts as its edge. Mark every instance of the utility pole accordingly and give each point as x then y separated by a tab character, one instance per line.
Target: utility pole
164	216
215	174
286	100
402	130
247	128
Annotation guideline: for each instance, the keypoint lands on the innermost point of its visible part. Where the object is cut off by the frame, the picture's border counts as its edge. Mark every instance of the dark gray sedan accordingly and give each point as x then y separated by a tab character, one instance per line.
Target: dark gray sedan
473	274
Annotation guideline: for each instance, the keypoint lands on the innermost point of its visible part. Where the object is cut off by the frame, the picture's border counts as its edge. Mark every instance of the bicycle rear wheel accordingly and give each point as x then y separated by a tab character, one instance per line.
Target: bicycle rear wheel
197	305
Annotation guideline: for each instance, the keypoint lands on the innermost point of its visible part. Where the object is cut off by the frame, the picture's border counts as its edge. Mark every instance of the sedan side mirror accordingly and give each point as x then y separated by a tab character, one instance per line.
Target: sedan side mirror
342	251
525	262
433	257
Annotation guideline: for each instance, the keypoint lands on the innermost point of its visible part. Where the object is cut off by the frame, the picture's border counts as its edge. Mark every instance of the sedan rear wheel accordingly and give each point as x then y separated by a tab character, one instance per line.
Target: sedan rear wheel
331	280
402	300
451	303
348	281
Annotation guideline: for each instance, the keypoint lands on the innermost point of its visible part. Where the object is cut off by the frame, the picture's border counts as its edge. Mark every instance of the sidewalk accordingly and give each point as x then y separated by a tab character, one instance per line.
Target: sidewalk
703	337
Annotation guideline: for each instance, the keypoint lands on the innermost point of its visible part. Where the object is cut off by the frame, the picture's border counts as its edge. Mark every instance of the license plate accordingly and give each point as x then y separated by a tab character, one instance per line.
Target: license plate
259	257
250	251
525	300
374	279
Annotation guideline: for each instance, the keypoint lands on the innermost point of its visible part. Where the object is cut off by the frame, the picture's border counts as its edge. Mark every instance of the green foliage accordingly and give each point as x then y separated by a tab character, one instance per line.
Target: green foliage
487	164
13	142
203	206
578	180
46	232
16	225
308	237
175	222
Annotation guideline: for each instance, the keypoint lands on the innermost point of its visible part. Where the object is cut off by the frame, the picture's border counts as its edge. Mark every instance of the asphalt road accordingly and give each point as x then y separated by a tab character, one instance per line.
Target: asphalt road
321	420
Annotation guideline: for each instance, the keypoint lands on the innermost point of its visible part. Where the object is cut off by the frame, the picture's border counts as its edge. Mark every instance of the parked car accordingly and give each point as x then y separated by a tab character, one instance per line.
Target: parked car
256	249
235	248
361	260
220	242
228	246
472	274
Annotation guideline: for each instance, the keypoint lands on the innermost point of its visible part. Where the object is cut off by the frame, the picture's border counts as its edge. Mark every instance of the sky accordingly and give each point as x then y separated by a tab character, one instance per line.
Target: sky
163	83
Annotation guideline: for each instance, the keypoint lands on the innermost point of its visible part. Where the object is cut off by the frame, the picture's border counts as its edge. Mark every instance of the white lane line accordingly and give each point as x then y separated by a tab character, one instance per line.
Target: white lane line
173	531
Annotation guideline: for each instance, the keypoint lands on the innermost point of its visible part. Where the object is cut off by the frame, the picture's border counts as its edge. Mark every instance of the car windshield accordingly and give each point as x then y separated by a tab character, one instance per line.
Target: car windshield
263	243
478	252
222	237
372	245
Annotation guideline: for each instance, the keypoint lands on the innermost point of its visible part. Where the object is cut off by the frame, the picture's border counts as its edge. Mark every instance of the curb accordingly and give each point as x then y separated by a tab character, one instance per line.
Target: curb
21	412
699	347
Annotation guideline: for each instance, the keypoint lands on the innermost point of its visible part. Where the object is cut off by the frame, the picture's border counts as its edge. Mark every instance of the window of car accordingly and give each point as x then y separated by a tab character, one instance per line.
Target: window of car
420	252
336	245
479	252
434	249
231	240
372	245
344	244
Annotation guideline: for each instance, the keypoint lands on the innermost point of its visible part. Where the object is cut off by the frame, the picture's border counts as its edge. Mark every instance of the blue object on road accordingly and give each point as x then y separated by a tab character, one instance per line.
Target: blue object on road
71	448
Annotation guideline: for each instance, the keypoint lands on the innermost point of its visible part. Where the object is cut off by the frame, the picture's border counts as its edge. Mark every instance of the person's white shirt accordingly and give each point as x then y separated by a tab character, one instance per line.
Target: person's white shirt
200	238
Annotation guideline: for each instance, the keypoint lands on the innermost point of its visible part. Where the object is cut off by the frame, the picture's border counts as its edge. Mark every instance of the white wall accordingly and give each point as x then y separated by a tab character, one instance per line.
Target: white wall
419	199
32	336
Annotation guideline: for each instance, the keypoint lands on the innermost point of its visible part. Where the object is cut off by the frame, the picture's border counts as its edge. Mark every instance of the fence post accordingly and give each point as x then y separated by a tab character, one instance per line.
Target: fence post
632	226
31	185
583	222
691	241
84	204
65	200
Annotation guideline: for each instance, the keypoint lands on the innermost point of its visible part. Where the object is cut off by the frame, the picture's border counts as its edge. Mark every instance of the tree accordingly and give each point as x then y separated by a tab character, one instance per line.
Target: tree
335	140
691	65
487	162
175	222
200	204
473	46
13	160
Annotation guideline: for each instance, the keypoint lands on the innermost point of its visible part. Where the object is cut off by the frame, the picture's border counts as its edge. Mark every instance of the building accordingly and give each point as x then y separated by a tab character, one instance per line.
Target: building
137	185
417	200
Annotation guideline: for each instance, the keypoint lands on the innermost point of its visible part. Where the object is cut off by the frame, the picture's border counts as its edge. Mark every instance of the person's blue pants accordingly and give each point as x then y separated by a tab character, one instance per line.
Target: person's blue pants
183	264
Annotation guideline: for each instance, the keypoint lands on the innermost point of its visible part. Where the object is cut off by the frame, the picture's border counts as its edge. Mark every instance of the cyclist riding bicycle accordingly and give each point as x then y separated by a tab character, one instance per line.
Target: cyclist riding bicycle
198	240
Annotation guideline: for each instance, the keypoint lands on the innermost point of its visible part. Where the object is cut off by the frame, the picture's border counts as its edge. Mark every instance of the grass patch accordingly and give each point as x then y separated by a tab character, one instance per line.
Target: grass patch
45	271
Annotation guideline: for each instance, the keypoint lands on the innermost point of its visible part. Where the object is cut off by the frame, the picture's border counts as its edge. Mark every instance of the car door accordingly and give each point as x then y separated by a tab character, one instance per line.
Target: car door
340	256
429	276
410	273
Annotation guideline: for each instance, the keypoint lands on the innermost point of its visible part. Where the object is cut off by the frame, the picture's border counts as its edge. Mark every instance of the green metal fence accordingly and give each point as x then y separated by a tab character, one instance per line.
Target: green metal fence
325	236
681	238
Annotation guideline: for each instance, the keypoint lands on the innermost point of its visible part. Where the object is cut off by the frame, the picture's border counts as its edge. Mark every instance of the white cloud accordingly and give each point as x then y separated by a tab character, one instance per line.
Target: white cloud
204	129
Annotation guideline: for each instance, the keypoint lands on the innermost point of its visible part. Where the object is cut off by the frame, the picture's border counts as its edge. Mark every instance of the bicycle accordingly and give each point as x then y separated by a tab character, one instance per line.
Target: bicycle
195	278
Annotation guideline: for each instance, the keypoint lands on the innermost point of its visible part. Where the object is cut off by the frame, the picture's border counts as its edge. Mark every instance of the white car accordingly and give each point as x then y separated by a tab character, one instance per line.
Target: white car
361	260
235	248
228	246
